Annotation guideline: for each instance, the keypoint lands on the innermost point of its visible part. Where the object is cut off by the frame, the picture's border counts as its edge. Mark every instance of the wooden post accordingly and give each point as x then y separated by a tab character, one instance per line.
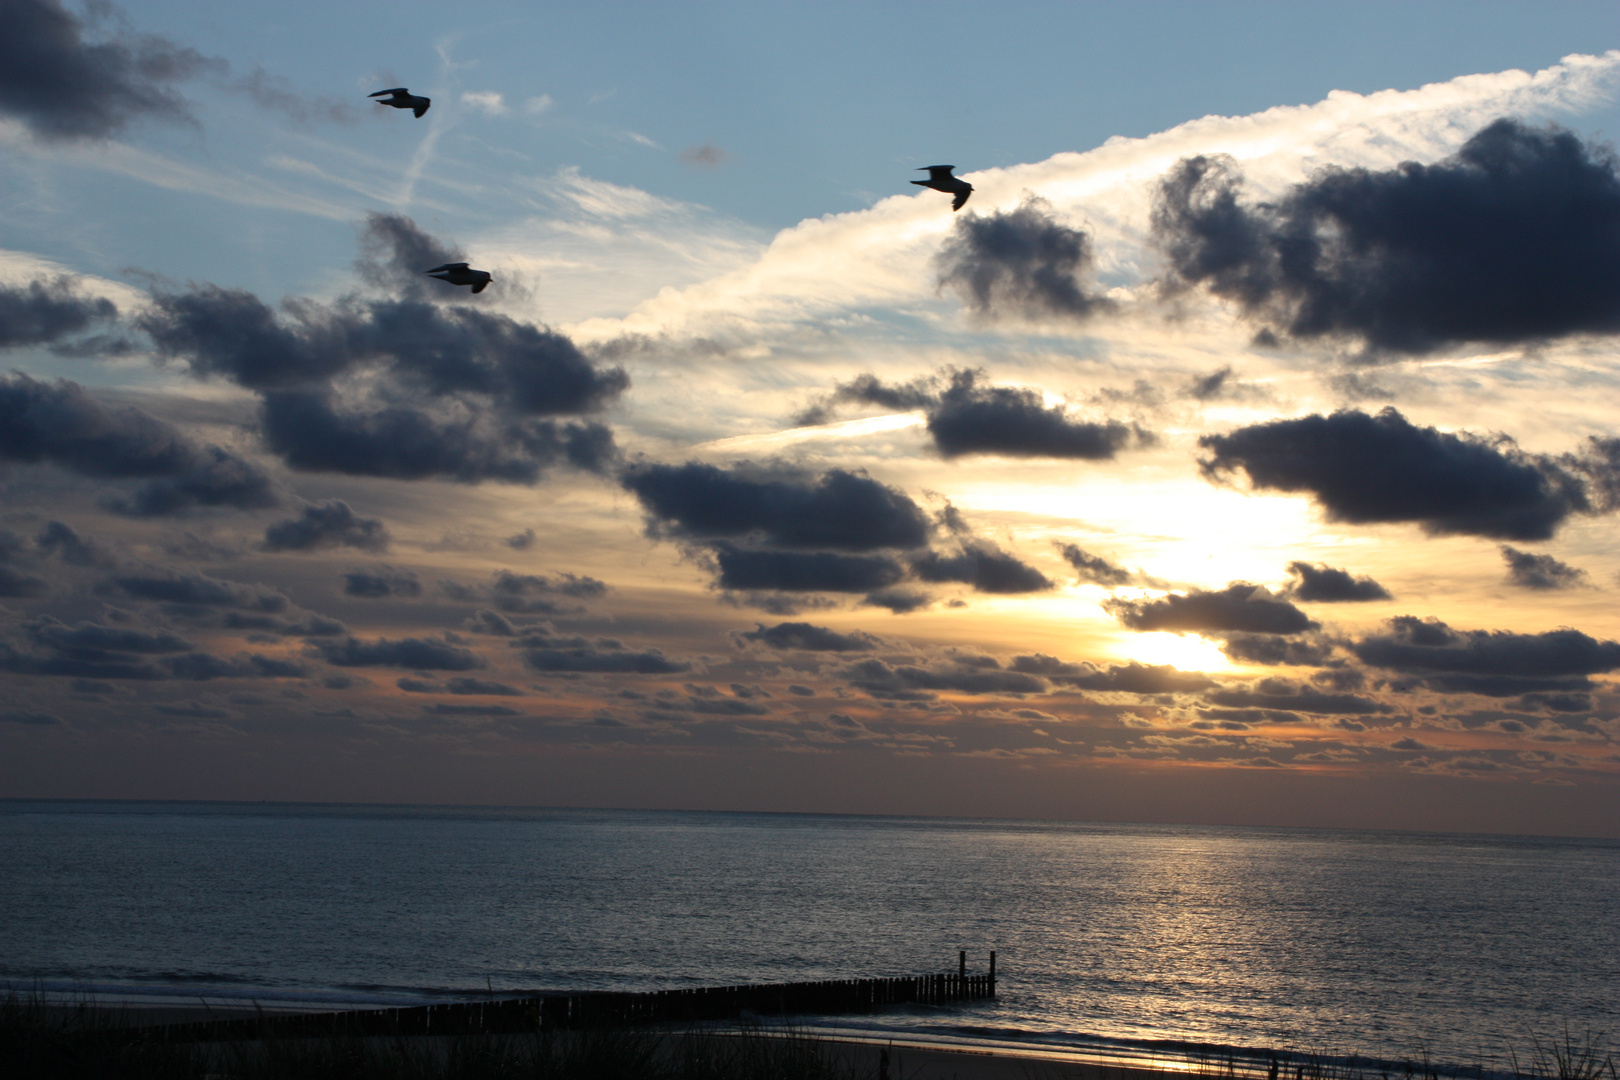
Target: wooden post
992	973
961	964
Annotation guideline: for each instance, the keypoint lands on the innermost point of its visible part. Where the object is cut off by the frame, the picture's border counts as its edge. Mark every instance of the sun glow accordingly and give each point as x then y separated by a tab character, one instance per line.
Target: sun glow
1185	652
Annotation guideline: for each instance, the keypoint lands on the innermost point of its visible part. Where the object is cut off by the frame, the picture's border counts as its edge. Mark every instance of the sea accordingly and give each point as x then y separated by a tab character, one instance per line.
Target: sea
1110	939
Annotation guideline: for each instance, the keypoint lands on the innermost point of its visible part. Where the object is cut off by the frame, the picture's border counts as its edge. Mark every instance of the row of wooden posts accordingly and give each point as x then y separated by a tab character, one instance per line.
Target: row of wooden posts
555	1012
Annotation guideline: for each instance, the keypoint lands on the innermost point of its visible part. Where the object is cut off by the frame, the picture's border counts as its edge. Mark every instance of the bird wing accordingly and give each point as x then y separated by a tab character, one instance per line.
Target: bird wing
395	90
446	266
961	198
940	172
480	286
422	104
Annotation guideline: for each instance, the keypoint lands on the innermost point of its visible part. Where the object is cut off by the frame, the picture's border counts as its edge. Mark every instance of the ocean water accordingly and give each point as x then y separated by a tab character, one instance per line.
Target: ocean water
1386	944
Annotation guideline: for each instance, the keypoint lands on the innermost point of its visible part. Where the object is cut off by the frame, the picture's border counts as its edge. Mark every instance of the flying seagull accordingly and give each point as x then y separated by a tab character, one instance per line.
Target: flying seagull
940	179
460	274
404	99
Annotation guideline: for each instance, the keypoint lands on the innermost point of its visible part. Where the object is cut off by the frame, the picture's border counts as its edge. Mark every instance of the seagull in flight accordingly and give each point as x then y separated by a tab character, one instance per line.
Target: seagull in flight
403	99
461	274
940	179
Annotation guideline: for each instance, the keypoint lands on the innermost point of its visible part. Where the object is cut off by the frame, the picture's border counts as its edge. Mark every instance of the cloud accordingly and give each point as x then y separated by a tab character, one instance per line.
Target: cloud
1095	568
417	654
325	525
1531	571
375	582
707	156
811	638
1272	650
522	541
395	253
64	88
16	582
1365	469
908	682
18	716
1239	608
75	550
487	102
190	590
1130	678
1287	695
780	506
401	388
520	594
1021	264
984	567
1322	584
602	661
1515	238
61	424
973	419
45	311
1496	663
968	417
745	569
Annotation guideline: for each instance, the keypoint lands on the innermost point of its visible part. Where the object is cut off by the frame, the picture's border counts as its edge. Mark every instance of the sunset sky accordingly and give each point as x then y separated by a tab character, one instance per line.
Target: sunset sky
1247	449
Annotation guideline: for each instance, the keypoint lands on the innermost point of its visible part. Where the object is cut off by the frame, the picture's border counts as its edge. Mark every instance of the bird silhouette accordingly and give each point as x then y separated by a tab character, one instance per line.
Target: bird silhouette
461	274
403	99
940	179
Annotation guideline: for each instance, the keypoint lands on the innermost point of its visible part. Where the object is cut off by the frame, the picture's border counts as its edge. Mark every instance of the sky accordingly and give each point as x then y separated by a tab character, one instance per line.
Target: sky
1246	450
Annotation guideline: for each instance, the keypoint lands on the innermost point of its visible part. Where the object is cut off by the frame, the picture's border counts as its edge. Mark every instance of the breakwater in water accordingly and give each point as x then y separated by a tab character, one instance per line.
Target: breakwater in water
557	1012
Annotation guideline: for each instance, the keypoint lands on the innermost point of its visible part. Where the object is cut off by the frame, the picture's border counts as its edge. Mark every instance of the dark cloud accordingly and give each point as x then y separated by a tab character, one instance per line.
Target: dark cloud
899	601
1515	238
602	661
804	571
33	719
395	252
1020	264
441	708
965	416
62	541
325	525
522	541
96	651
524	593
837	510
1013	421
44	312
60	424
199	591
417	654
907	682
811	638
1288	695
469	686
1531	571
1496	663
1364	469
1239	608
707	156
1322	584
984	567
63	87
400	388
1094	568
1272	650
87	638
375	582
18	583
1130	678
313	432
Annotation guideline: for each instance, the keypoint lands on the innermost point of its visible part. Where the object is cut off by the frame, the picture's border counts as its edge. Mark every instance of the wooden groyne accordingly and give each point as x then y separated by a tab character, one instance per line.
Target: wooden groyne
560	1012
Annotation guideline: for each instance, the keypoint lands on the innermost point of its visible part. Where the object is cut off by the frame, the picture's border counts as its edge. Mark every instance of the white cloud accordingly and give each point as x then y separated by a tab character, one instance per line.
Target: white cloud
537	105
485	101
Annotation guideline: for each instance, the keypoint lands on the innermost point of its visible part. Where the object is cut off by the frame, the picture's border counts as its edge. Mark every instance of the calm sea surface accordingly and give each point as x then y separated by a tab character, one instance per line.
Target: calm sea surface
1382	943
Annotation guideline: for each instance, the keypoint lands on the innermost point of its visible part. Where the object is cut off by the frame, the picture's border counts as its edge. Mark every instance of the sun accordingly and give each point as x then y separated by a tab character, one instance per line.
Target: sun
1185	652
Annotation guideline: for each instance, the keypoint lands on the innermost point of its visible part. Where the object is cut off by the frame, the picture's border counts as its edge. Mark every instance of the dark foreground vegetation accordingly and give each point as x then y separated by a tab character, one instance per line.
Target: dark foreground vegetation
83	1042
